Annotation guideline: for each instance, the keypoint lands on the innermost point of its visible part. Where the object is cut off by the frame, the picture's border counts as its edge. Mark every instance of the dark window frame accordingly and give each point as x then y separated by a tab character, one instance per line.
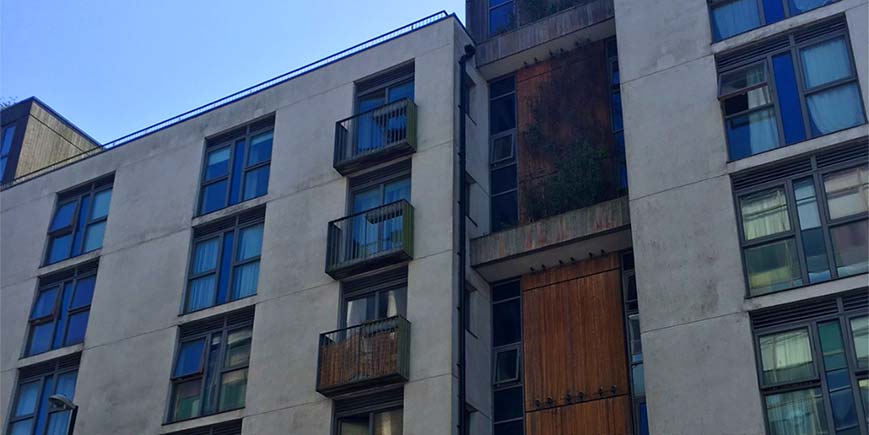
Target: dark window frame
826	223
519	382
377	289
75	195
202	373
72	276
630	309
220	234
6	156
819	381
509	27
618	133
711	4
793	48
238	137
507	162
58	370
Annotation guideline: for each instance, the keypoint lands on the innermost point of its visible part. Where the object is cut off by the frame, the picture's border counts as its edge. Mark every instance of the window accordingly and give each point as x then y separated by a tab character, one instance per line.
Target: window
810	369
59	316
6	148
373	233
732	17
211	362
502	154
379	122
30	412
507	358
236	166
502	16
79	221
375	298
376	414
228	428
788	90
618	127
808	225
635	345
224	262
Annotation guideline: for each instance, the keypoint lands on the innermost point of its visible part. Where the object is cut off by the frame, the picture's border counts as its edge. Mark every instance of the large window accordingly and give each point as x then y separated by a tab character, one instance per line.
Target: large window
502	153
617	121
808	226
60	312
376	414
79	221
507	358
236	166
502	16
224	262
30	412
211	366
635	345
8	135
789	89
732	17
376	297
812	366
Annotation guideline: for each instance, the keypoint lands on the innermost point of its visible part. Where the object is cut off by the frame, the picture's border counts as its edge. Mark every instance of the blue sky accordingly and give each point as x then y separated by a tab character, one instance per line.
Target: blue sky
114	66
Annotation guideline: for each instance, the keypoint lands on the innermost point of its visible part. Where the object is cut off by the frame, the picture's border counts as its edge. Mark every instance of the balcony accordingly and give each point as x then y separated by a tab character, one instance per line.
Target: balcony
364	356
369	240
377	135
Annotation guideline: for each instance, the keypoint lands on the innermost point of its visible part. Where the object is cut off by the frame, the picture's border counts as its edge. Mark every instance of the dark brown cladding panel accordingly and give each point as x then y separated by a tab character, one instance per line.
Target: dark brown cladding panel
606	416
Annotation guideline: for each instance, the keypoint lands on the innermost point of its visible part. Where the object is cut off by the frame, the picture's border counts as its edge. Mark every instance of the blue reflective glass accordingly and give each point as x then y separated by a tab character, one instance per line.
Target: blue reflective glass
217	163
245	280
63	314
101	204
84	292
205	255
616	105
260	148
200	293
751	133
732	18
66	384
23	427
40	338
236	173
834	109
80	225
27	395
501	18
44	304
57	423
844	411
788	98
643	418
800	6
773	11
77	326
213	197
63	216
58	248
42	414
399	92
816	255
249	242
189	358
837	379
225	267
825	62
256	183
8	135
93	236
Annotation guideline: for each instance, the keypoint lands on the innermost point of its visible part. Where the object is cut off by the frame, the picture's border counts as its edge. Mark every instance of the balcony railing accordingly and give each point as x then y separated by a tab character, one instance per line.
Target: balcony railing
370	240
364	356
375	135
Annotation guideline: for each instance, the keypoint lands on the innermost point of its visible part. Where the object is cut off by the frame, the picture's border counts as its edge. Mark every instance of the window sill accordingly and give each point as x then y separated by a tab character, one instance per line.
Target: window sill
217	309
805	292
229	211
783	26
50	355
69	262
206	420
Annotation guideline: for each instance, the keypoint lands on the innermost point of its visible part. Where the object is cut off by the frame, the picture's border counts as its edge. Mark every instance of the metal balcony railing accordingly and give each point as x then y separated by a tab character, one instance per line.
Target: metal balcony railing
364	356
375	135
370	239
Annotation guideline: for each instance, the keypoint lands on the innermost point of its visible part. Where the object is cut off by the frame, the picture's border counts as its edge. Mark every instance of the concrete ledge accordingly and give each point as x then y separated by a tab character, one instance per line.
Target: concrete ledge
540	32
577	233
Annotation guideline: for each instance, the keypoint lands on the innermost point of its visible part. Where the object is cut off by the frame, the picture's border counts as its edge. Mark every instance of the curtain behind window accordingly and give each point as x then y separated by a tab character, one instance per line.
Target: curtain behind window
764	214
729	19
796	413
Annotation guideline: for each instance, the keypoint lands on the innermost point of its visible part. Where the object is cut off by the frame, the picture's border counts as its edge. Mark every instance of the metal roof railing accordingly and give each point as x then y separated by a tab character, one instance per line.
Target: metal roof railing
259	87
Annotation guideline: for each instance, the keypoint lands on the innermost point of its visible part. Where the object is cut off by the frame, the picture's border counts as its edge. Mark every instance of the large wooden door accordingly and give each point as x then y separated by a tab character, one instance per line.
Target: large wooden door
573	343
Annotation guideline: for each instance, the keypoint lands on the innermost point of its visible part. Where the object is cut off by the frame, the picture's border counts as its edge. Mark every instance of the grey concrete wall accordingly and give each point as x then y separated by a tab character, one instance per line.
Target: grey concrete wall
700	369
132	329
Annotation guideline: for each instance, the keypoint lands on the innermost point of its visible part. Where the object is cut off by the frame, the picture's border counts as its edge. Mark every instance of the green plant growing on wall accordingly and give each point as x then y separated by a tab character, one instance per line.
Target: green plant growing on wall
563	131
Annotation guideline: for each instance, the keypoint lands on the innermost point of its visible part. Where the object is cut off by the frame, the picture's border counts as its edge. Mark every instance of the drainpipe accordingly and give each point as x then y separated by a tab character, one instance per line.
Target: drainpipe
463	212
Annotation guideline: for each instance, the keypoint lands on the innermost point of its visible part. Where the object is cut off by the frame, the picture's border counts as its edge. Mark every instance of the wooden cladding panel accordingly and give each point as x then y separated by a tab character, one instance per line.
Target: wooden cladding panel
573	334
609	416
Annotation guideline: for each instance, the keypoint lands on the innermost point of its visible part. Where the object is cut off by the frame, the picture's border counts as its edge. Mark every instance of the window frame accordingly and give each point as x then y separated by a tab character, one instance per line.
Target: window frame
495	350
819	381
794	49
223	331
220	234
509	27
630	309
6	156
239	137
817	175
75	195
369	413
75	275
377	290
505	162
41	378
761	15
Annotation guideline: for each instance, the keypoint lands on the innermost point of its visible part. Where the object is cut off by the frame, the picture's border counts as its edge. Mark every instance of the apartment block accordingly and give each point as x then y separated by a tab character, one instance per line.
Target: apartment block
562	217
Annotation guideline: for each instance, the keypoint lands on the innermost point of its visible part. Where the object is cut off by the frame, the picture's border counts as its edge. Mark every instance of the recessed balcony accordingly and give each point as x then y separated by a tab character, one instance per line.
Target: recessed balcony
364	356
370	240
375	136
